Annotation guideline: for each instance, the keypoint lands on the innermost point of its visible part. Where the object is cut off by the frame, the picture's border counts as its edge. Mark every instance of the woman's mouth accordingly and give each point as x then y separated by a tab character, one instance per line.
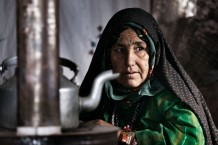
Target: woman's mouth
130	74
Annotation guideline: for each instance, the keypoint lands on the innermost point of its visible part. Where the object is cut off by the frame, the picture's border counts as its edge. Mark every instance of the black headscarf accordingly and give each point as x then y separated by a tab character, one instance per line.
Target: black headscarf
168	70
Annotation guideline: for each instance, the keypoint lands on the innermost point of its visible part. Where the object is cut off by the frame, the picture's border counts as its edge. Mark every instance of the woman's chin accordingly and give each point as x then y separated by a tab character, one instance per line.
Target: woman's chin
130	84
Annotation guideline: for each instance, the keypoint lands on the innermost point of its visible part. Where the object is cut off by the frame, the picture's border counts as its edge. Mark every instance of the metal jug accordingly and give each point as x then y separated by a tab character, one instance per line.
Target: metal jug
70	103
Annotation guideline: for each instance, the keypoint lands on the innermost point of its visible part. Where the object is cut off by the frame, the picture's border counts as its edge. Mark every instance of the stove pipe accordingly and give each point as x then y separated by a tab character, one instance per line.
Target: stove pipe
38	67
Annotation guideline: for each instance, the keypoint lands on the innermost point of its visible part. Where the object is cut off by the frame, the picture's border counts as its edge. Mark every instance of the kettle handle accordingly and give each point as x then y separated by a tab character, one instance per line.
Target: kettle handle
12	61
71	65
7	63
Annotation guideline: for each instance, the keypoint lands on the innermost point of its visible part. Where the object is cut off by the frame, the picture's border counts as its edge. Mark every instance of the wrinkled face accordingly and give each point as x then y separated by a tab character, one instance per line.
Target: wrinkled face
129	57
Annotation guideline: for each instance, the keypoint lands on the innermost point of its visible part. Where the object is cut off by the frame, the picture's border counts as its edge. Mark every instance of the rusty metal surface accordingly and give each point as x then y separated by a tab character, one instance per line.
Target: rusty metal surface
38	83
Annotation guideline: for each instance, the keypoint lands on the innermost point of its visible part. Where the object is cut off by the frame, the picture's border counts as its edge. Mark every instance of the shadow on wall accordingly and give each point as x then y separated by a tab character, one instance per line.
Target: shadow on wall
196	47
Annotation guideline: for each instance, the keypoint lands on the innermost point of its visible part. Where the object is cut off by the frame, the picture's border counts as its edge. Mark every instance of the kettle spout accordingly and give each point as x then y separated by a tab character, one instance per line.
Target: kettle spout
91	102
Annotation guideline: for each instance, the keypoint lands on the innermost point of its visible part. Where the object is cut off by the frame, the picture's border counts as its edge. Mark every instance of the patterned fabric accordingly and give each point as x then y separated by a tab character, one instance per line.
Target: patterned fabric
164	120
168	71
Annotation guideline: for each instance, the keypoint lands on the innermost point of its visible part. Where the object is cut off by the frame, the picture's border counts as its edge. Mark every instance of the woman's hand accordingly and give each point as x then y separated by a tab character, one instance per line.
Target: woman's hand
103	123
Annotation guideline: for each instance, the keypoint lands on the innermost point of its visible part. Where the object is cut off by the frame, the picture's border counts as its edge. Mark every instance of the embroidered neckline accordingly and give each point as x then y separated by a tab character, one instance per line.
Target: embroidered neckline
137	113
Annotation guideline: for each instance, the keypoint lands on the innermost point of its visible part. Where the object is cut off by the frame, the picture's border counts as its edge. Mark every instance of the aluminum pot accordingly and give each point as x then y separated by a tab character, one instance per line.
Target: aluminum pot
70	103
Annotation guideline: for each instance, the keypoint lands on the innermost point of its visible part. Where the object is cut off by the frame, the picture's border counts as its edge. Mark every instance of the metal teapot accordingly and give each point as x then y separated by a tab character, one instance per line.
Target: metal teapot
70	103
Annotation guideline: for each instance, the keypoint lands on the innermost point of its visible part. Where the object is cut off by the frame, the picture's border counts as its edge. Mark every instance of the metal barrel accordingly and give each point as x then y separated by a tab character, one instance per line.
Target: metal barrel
38	67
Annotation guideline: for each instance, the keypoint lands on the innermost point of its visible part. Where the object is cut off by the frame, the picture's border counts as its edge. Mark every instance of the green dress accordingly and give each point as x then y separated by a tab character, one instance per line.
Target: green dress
164	120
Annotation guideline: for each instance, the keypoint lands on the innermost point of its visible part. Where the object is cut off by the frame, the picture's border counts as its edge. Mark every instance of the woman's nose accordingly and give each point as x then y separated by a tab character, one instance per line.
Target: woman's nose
130	58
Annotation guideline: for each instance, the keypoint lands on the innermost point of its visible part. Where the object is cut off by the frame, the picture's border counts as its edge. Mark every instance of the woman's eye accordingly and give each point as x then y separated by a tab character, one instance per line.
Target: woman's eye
119	50
139	49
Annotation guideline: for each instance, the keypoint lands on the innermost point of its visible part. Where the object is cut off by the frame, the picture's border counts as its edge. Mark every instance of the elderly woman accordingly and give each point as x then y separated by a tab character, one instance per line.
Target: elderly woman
153	101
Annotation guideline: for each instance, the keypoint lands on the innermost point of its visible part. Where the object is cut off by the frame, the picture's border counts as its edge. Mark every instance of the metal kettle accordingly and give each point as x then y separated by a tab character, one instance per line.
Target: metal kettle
70	103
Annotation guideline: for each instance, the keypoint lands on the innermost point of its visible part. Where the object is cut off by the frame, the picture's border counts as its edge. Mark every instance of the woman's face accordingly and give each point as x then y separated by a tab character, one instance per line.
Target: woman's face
129	57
